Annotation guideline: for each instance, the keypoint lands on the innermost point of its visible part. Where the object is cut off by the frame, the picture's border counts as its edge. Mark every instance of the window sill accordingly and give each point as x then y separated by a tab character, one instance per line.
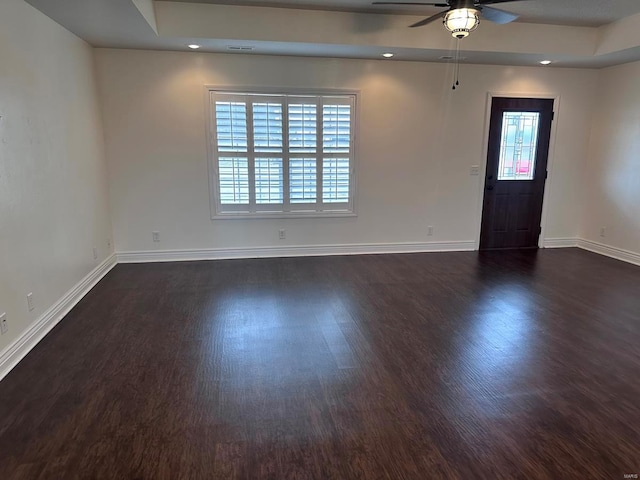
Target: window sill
280	215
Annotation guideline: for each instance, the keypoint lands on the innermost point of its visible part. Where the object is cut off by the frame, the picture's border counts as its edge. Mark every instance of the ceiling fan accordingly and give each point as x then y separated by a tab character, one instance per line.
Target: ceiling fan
462	16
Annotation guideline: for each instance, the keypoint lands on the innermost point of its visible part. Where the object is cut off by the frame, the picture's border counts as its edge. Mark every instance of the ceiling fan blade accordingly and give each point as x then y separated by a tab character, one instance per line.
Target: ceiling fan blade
489	2
428	20
412	3
498	16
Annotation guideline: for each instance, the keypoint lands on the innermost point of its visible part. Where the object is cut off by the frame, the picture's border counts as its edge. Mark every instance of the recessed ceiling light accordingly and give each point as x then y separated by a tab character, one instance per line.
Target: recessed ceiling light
545	62
387	55
193	46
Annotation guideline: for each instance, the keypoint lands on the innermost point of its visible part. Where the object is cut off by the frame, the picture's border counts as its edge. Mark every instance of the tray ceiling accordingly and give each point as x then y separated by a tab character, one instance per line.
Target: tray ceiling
558	12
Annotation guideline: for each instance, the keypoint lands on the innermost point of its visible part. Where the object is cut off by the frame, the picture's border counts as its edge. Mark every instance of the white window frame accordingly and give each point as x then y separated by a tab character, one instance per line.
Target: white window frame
319	209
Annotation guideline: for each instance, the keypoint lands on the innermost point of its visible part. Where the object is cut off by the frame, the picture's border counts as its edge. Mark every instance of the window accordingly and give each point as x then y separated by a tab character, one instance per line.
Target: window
518	145
281	154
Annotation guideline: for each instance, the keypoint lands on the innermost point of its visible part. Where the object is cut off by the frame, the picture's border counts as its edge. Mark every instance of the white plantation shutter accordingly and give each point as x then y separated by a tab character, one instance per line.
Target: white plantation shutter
303	180
282	154
336	147
335	180
269	181
336	128
303	123
234	180
231	121
231	126
268	138
267	127
303	140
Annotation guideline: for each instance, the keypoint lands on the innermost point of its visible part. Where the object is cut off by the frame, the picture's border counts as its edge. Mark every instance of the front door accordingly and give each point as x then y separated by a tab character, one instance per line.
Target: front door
519	135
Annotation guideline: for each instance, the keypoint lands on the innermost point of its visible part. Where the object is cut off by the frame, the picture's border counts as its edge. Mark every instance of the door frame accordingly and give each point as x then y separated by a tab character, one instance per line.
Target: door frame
485	152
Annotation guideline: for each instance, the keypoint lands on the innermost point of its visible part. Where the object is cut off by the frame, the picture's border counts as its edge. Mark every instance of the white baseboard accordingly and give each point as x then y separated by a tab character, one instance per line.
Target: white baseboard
595	247
609	251
22	345
291	251
560	242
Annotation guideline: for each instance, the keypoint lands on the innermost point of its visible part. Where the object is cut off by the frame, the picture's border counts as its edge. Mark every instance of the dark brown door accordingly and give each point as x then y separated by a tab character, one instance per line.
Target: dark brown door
519	135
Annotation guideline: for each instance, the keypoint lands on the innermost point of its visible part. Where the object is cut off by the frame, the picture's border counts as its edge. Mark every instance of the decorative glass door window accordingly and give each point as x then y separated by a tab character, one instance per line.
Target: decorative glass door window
518	145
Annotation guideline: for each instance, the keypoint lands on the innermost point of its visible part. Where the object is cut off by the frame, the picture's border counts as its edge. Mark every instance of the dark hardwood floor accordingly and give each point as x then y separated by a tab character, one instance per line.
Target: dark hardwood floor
500	365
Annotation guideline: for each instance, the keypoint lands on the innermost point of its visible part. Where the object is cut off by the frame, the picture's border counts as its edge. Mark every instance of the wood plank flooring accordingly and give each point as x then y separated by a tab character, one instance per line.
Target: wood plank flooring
500	365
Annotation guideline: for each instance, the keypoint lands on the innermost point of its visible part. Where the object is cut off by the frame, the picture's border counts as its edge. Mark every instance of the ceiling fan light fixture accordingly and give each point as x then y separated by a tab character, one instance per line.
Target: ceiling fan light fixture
461	21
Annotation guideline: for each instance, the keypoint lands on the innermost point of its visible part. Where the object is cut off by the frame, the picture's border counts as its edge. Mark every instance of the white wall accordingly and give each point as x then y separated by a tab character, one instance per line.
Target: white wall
53	193
417	140
612	199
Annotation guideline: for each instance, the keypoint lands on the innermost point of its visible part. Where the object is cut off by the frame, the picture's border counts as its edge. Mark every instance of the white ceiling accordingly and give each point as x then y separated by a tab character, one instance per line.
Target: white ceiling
114	23
120	24
559	12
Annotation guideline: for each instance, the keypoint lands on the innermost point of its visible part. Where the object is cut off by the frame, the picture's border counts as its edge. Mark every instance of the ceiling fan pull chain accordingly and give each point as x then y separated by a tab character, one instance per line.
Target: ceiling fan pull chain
457	66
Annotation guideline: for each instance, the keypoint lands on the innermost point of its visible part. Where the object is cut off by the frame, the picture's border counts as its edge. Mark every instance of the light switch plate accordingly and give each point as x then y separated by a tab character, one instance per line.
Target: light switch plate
30	304
4	327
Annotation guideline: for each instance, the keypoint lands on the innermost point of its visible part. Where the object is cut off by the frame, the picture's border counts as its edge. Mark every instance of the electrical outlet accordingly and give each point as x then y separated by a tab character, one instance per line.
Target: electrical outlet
95	253
282	234
475	170
430	231
30	303
603	232
4	326
156	236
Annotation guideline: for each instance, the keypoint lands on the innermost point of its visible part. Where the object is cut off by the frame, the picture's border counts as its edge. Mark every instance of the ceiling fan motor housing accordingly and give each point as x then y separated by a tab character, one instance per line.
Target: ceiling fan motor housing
454	4
463	18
